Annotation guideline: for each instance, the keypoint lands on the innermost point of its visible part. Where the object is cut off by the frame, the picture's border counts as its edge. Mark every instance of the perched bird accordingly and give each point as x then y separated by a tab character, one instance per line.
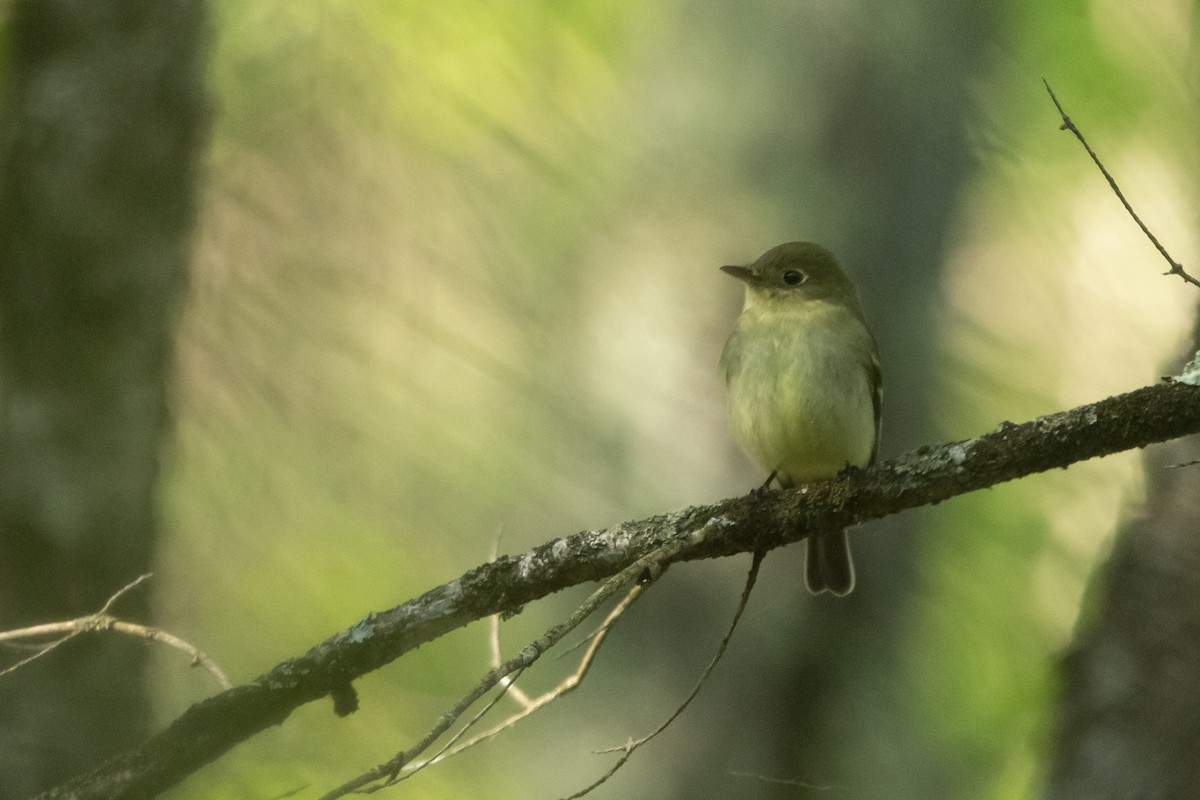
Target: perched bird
804	386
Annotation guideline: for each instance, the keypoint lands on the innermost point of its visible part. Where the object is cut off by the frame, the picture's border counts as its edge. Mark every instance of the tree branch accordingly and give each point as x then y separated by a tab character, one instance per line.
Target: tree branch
925	476
1069	125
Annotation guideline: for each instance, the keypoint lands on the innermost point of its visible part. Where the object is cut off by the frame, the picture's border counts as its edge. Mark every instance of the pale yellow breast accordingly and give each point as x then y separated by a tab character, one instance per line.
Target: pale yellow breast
800	394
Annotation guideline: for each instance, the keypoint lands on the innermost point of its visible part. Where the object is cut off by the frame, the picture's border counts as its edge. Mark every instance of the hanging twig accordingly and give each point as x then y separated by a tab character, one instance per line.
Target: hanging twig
627	750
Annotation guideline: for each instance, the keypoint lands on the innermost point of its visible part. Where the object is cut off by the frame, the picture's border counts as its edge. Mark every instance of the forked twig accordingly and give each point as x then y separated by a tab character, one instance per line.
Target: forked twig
389	772
531	704
1068	125
103	621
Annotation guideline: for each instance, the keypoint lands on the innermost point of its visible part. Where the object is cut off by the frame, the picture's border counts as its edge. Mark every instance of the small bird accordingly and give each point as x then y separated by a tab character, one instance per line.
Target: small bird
804	385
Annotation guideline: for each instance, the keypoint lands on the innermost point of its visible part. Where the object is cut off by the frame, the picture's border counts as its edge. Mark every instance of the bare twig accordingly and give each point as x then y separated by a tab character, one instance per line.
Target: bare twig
1068	125
390	772
124	590
530	705
42	651
441	754
199	658
103	621
494	635
627	750
783	781
594	639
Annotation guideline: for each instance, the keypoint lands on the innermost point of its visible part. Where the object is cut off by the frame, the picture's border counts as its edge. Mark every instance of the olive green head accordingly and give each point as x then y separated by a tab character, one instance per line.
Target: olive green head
794	273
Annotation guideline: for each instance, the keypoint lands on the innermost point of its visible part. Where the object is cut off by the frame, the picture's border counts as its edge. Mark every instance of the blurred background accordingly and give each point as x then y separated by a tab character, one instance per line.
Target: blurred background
455	282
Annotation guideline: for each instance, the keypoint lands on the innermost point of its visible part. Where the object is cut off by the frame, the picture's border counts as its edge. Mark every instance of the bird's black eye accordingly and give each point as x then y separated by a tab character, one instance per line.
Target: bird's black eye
794	277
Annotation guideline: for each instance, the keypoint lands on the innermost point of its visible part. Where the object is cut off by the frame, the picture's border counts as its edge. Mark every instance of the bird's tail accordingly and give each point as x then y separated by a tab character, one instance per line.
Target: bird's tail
828	567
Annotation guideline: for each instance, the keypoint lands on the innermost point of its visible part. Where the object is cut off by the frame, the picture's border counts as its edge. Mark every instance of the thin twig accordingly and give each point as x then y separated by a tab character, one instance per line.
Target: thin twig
566	686
494	635
199	658
783	781
44	651
441	755
1184	464
627	749
103	621
593	640
124	590
389	772
1068	125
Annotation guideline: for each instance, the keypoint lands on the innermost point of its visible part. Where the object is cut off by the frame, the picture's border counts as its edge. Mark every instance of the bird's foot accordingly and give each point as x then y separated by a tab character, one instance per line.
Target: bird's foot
850	471
762	491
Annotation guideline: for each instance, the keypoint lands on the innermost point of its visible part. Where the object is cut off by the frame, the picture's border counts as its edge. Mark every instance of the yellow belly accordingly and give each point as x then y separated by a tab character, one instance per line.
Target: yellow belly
800	404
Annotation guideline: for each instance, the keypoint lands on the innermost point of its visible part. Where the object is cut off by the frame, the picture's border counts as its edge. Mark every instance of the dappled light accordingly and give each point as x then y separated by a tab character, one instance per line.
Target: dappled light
454	292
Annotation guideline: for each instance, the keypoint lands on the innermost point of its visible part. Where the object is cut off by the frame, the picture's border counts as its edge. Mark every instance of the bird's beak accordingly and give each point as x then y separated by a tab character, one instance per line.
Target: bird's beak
743	273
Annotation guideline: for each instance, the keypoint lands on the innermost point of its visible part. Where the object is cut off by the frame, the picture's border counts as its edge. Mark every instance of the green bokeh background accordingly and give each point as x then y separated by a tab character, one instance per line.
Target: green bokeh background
455	284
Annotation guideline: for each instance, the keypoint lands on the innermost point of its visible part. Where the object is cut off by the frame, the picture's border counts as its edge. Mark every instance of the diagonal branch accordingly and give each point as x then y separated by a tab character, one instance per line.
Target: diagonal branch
1069	125
740	525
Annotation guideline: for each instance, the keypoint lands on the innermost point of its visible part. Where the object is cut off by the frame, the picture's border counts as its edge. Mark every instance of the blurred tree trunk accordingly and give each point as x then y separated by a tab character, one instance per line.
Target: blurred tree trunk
104	114
862	143
896	144
1129	709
